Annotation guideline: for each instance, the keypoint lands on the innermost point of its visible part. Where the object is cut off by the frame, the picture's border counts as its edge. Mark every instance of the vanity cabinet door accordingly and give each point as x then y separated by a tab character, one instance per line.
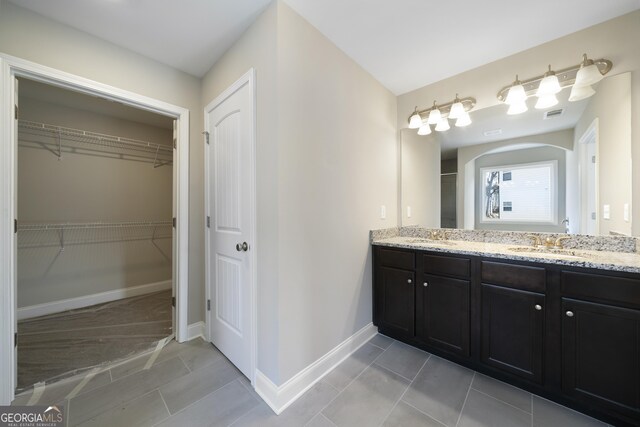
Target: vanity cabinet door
442	311
601	355
512	331
395	300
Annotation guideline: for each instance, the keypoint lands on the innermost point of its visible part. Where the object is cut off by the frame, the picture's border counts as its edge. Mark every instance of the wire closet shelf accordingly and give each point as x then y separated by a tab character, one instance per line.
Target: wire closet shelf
40	235
82	141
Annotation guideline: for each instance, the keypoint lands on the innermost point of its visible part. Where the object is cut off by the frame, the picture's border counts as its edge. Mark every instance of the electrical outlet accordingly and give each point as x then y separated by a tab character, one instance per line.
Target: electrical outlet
626	212
606	212
383	212
408	211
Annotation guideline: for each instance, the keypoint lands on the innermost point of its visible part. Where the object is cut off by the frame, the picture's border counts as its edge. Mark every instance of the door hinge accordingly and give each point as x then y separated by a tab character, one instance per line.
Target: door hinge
15	339
208	222
173	301
593	215
15	226
174	222
16	112
208	305
593	159
175	143
206	136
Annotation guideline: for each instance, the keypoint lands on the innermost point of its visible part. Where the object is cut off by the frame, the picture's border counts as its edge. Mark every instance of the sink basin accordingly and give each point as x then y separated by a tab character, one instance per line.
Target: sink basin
561	253
430	241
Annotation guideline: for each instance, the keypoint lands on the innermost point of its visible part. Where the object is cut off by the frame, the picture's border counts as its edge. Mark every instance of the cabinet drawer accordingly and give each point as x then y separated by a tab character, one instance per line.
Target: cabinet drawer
397	258
599	287
514	276
447	265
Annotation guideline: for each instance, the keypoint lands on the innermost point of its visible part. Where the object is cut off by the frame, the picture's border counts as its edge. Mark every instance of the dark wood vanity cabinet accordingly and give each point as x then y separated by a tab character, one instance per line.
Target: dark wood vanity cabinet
442	303
569	334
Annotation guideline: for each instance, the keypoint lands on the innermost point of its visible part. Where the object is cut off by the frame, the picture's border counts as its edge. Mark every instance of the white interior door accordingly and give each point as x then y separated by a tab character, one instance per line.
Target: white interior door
589	180
230	223
15	240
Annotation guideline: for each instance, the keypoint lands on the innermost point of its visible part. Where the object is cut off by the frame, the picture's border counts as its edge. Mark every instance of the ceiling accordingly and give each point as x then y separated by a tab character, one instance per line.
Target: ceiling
495	118
404	44
189	35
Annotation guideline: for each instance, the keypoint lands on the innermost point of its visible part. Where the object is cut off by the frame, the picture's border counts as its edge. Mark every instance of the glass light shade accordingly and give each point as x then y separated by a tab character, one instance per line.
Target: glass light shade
434	116
457	110
548	86
443	125
516	95
546	101
463	120
424	130
518	108
579	93
588	75
415	121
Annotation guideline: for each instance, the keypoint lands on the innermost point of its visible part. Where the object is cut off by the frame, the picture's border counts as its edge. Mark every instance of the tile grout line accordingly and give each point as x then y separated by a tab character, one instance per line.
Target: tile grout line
531	401
351	382
465	399
500	400
407	389
165	405
250	390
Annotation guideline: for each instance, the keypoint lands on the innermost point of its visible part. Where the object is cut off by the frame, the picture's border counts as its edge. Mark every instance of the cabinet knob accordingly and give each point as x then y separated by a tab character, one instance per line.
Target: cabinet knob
569	313
538	307
425	284
409	281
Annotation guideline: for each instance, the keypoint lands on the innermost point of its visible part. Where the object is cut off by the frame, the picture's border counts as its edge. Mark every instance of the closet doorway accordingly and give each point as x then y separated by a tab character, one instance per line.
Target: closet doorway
11	69
95	234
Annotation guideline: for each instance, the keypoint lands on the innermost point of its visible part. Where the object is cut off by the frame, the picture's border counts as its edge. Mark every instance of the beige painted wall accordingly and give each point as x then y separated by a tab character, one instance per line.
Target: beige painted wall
420	179
30	36
337	165
611	105
89	188
615	39
326	151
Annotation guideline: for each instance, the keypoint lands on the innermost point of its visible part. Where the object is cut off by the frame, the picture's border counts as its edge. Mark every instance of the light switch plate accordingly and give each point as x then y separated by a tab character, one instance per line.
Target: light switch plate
383	212
408	211
606	212
626	212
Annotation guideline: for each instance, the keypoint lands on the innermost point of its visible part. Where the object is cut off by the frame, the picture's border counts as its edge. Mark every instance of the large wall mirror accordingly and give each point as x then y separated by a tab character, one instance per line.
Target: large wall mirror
563	169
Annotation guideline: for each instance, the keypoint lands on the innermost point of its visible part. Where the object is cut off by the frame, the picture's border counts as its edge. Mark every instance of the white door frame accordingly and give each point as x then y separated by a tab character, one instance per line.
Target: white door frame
590	135
11	67
247	79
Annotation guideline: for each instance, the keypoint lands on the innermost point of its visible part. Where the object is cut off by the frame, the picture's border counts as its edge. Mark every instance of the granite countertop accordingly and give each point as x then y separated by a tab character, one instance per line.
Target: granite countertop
601	259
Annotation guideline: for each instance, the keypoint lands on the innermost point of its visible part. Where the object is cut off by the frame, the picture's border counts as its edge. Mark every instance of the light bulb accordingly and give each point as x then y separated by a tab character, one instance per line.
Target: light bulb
546	101
588	73
443	125
579	93
434	115
549	85
415	121
463	120
424	129
457	109
516	93
517	108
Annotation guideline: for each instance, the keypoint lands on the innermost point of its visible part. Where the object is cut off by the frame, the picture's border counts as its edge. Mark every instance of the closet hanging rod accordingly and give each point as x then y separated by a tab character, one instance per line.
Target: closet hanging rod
94	137
92	225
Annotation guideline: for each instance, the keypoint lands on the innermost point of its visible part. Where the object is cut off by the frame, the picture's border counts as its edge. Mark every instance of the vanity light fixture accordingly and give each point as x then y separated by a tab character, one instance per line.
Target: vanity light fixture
439	115
434	114
579	77
415	121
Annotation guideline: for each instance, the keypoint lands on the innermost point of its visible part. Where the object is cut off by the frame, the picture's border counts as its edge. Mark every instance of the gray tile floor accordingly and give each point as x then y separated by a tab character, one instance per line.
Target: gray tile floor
384	383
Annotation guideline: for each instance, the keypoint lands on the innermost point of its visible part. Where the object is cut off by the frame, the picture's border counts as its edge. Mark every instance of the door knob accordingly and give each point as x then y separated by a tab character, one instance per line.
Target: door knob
569	313
409	281
538	307
425	284
240	247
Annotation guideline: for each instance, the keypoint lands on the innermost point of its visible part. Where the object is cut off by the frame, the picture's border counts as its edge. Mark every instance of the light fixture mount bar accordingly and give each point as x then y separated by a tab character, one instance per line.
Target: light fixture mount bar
566	77
468	103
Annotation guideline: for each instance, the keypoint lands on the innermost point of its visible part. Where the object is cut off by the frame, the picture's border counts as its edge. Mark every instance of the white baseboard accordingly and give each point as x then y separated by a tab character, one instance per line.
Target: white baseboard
280	397
196	330
89	300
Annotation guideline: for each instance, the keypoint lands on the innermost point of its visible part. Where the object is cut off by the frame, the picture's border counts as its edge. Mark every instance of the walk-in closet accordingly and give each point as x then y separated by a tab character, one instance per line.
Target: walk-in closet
95	190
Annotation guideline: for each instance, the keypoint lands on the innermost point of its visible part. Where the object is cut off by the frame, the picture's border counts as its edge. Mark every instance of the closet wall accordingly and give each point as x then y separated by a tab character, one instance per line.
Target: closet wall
88	188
